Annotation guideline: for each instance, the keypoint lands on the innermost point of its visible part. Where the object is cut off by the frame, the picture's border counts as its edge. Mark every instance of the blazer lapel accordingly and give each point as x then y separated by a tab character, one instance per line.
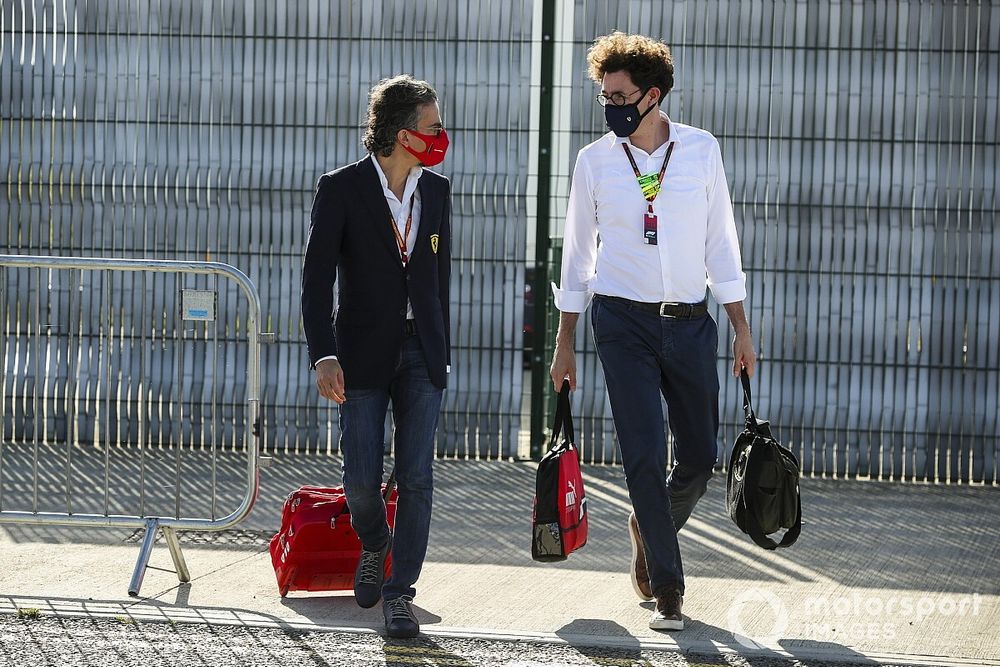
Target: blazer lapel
430	217
370	190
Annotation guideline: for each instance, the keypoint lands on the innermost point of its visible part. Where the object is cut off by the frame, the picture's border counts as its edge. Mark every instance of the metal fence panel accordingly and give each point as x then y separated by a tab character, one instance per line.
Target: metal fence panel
90	433
198	131
860	141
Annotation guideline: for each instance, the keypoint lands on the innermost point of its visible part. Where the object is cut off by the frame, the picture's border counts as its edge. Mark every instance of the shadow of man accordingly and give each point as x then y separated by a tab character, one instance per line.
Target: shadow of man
603	642
702	638
343	610
420	651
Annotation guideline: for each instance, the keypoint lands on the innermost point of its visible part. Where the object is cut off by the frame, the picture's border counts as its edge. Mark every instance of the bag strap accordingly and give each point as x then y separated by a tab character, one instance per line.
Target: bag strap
563	422
747	400
756	533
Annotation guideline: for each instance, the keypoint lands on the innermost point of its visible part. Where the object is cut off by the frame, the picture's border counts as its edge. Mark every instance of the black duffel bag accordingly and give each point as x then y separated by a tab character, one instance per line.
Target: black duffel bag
762	490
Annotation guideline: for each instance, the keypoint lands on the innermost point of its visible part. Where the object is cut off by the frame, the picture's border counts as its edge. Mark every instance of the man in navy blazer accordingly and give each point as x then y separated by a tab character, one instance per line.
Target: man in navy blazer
381	228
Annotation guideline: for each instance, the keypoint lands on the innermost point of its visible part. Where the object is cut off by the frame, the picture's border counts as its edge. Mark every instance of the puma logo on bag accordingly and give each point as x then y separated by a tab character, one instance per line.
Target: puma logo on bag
571	495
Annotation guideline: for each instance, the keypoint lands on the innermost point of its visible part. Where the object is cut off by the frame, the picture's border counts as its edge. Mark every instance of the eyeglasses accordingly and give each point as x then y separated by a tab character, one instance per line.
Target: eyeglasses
435	131
617	99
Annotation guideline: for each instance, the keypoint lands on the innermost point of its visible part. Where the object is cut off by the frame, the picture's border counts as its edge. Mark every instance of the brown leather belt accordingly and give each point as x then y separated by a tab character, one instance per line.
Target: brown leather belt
673	311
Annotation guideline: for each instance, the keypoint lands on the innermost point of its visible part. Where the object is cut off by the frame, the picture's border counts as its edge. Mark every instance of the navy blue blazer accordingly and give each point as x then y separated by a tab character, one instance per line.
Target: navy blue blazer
351	241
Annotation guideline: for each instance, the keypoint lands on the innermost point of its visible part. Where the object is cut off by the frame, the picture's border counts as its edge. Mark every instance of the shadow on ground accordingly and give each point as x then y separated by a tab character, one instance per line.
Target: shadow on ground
871	534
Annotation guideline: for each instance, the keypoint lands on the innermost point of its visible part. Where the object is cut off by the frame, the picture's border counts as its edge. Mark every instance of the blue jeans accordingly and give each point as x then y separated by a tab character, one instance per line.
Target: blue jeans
416	405
645	356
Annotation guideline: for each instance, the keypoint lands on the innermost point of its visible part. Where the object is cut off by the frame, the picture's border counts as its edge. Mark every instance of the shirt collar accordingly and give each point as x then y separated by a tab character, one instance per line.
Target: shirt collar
671	138
411	178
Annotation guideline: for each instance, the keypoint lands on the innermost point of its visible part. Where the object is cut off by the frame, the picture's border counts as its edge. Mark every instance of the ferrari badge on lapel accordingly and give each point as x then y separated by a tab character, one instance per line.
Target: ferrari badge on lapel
434	243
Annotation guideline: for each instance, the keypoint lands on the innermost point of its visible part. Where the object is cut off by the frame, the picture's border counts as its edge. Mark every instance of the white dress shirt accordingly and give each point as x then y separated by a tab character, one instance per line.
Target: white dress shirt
410	205
603	248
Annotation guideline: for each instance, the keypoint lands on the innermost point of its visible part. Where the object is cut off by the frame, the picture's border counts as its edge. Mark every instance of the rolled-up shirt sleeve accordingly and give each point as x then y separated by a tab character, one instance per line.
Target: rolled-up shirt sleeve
722	246
579	255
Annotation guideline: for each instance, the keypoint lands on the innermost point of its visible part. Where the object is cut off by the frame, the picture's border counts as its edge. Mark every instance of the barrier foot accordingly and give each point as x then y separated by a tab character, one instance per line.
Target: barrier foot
152	525
170	535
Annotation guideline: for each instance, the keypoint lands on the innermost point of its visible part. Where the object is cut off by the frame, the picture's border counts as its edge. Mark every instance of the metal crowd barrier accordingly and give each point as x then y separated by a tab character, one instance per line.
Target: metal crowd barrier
98	357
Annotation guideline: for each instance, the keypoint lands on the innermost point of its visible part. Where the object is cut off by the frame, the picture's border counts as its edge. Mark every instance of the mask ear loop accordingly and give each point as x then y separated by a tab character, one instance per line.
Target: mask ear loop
400	140
409	146
653	103
649	109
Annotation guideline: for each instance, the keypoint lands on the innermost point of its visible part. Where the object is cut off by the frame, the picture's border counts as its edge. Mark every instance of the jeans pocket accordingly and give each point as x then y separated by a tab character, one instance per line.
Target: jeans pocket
595	309
606	322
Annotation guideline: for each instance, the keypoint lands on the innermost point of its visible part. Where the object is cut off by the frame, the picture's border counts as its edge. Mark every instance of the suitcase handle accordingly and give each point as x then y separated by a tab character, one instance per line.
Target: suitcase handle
389	486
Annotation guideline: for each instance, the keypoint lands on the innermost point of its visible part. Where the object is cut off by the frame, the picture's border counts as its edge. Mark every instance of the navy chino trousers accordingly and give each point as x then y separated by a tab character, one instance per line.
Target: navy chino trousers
646	356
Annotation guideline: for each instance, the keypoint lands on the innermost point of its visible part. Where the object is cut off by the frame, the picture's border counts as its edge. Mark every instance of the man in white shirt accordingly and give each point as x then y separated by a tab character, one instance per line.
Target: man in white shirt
649	224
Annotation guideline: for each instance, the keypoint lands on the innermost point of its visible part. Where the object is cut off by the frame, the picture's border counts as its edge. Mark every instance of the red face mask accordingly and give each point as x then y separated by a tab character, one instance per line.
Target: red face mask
437	146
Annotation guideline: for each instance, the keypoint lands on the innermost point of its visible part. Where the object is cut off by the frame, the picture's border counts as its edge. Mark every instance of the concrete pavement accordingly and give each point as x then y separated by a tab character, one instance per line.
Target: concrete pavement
883	573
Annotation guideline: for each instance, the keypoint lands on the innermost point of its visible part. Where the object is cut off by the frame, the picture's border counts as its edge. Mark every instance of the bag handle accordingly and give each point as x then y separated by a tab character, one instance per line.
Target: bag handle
389	486
747	399
563	422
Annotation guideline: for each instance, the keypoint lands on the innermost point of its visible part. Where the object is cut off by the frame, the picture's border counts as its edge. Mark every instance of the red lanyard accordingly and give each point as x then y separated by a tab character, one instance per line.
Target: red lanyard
401	240
659	177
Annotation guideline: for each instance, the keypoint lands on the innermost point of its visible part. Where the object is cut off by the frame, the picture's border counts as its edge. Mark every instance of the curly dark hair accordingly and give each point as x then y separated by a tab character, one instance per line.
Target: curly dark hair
394	105
647	61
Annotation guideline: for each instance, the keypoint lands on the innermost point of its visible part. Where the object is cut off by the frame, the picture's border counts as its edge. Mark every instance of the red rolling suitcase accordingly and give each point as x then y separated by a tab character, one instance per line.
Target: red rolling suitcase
316	548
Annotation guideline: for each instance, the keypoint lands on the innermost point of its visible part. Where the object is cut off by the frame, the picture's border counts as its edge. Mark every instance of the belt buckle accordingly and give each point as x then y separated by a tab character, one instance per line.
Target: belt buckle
664	313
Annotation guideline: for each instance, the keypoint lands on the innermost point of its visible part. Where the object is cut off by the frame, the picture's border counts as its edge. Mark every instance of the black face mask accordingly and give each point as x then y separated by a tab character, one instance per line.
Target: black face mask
624	120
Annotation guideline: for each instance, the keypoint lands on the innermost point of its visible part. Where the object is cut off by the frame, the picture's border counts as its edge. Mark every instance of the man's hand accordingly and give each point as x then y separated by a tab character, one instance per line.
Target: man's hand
743	353
564	360
563	366
330	380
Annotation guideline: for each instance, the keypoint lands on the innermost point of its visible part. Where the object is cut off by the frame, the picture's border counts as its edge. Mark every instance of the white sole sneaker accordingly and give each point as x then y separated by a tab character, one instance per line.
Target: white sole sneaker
635	557
657	622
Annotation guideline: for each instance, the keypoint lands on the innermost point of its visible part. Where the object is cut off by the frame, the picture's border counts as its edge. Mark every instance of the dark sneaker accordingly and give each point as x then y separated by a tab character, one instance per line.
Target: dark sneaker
370	575
640	575
667	615
400	623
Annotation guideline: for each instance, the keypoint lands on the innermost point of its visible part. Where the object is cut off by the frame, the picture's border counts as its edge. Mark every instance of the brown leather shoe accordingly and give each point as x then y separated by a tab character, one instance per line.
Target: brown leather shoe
667	615
640	575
